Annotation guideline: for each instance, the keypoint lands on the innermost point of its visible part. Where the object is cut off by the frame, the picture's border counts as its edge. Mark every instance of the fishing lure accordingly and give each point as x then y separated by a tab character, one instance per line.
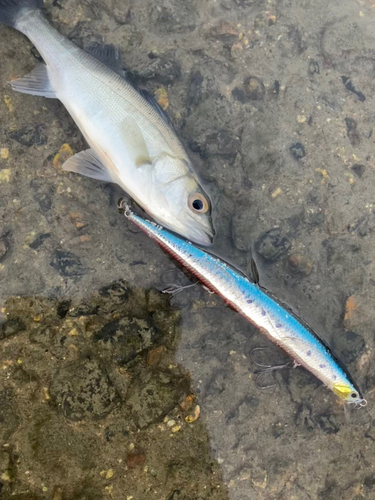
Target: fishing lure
280	325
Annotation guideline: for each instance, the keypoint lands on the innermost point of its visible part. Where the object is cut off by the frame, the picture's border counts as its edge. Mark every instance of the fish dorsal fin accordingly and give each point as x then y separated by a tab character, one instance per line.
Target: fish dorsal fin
88	163
108	55
154	103
36	82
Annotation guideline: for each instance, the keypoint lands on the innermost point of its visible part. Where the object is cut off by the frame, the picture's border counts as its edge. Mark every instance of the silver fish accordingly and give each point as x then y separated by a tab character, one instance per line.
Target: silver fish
280	325
131	141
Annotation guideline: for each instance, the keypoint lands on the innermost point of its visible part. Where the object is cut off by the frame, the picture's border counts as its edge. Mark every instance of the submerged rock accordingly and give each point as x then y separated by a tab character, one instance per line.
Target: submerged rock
68	264
271	245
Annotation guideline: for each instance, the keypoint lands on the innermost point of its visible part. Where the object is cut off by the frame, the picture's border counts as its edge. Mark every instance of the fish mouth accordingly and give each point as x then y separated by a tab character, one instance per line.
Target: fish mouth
203	237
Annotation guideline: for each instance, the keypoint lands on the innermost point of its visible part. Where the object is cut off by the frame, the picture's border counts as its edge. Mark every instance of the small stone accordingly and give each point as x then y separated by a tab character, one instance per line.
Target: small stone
271	245
161	96
300	264
350	307
46	395
68	264
65	152
314	67
4	246
39	240
171	423
301	118
43	194
134	460
224	31
351	128
5	175
297	150
9	103
254	88
194	94
194	416
155	356
176	428
350	86
30	136
6	477
11	327
73	332
358	169
107	474
4	153
163	70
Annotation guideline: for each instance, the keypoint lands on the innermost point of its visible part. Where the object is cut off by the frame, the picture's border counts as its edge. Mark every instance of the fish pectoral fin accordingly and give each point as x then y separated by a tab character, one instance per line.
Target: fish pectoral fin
88	163
108	55
36	82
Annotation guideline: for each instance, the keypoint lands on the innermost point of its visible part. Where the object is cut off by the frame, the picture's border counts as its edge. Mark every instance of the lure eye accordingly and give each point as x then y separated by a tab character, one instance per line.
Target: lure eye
354	395
198	203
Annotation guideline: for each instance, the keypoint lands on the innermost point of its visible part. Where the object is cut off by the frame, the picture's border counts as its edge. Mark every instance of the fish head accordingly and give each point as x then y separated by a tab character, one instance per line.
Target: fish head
348	393
177	201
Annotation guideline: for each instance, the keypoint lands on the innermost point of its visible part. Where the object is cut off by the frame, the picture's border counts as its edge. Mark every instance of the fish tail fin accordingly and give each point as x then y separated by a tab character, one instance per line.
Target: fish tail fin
12	10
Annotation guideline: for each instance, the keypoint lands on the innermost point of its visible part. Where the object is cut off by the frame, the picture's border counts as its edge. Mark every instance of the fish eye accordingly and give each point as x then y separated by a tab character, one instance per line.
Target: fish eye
354	395
198	203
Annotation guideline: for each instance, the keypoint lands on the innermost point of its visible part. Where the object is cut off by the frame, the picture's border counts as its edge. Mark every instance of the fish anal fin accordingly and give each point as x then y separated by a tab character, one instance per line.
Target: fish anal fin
88	163
36	82
108	55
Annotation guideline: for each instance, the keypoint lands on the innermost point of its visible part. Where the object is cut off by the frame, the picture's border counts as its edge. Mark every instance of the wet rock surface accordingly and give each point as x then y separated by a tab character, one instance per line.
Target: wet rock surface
274	101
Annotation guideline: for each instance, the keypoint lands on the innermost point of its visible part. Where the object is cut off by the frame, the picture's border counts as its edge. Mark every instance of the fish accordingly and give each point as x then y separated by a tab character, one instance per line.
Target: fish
259	307
132	141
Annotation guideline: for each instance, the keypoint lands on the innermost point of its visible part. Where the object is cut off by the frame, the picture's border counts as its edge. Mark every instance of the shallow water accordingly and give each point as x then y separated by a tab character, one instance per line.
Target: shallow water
106	391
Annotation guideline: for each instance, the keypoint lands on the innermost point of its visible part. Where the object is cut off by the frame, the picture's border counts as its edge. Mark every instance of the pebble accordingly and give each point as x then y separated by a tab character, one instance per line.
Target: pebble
297	150
5	175
300	264
107	474
4	247
254	88
68	264
351	128
271	245
162	97
30	136
358	169
65	152
4	153
9	103
134	460
155	356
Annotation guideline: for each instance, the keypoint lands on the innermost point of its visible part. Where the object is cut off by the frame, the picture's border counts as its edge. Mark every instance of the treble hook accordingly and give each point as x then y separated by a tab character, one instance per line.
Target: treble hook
266	369
173	288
